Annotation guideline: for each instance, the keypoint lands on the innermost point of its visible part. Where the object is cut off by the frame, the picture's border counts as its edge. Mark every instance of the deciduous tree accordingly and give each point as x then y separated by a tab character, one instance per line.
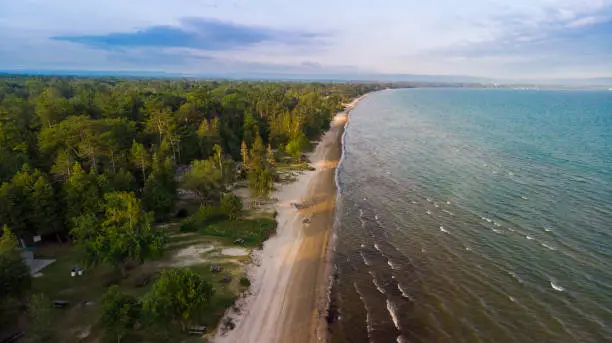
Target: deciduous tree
178	297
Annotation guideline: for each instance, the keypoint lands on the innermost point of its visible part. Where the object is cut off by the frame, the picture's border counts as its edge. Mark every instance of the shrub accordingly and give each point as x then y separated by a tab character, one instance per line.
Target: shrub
231	206
204	216
244	281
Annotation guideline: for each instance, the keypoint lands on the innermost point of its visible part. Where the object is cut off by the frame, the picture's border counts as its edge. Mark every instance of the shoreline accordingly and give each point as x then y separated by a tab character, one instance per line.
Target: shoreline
291	275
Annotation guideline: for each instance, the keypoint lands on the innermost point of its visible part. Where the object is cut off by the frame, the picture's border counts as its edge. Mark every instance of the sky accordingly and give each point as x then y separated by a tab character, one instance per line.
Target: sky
536	39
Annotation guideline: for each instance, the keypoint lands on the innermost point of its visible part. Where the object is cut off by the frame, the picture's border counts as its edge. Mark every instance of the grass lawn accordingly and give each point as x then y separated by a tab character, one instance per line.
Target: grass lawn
57	284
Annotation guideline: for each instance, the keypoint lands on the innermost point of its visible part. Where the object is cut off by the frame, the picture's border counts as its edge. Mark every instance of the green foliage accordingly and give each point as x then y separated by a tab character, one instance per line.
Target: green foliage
177	298
244	281
261	180
28	204
15	280
83	138
204	216
253	231
119	313
159	193
8	240
140	158
231	205
205	179
297	146
82	194
125	233
41	327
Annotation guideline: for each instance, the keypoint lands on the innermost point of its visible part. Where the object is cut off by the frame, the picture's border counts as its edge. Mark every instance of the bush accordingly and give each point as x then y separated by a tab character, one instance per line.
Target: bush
231	206
244	281
204	216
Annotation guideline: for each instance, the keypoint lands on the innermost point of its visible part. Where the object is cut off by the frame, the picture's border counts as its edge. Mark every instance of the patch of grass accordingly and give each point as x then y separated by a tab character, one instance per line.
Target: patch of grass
253	231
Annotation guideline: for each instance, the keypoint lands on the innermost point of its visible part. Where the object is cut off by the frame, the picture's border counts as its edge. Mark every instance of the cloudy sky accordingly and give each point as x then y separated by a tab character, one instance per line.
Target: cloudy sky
492	38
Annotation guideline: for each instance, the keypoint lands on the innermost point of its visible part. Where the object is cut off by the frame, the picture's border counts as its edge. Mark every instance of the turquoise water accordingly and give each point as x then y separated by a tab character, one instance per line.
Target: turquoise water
475	216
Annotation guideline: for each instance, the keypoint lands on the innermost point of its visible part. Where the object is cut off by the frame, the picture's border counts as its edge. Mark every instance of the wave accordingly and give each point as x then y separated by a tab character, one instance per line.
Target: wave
556	287
375	282
548	246
404	294
529	237
443	229
393	265
365	260
392	311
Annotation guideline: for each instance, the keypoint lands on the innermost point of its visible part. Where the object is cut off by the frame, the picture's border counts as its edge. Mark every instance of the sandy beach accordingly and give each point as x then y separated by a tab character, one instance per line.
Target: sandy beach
290	275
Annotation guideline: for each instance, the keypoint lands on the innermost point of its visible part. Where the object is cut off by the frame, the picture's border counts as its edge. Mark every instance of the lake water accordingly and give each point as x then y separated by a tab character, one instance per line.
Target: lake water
471	215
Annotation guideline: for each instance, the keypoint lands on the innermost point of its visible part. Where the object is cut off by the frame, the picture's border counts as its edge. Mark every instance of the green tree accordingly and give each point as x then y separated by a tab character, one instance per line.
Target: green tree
178	297
231	206
81	193
297	146
8	240
15	280
244	153
140	158
159	193
270	158
120	312
125	233
205	180
41	327
261	180
46	217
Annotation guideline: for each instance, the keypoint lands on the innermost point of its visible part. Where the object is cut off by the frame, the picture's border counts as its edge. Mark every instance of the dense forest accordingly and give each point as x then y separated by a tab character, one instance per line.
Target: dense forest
66	142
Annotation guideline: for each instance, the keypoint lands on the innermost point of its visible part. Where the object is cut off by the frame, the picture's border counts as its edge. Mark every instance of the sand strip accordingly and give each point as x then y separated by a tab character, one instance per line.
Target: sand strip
290	280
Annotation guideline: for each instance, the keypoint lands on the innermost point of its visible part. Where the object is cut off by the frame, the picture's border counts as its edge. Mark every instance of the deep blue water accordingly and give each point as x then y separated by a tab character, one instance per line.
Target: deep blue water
476	216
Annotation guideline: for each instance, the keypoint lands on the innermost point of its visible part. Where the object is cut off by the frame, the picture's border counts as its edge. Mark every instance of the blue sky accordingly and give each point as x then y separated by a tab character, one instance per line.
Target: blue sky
489	38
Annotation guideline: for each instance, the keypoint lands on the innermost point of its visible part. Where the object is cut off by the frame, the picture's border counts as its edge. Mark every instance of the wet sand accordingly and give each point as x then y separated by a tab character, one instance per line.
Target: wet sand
290	279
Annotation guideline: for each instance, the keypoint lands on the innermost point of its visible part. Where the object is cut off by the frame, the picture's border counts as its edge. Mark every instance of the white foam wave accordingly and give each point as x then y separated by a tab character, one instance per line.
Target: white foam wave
496	223
404	294
392	311
428	212
556	287
449	212
547	229
513	299
524	197
378	286
529	237
377	248
365	260
496	231
548	246
443	229
393	266
448	202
